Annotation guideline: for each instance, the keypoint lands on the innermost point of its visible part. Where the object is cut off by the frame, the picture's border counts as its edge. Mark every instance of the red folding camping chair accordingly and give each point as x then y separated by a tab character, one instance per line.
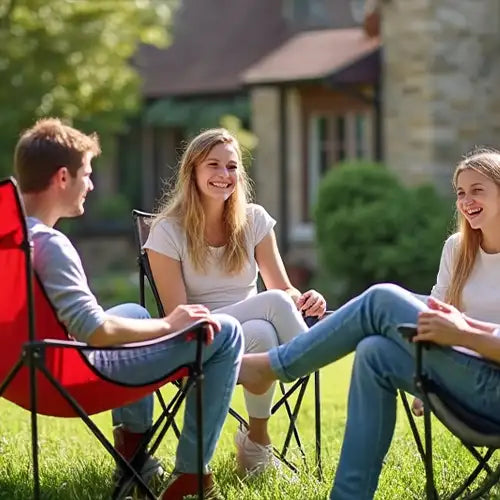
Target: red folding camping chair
44	371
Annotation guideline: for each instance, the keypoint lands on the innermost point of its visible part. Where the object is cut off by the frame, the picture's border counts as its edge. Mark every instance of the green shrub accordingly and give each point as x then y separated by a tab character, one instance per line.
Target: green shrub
115	288
372	229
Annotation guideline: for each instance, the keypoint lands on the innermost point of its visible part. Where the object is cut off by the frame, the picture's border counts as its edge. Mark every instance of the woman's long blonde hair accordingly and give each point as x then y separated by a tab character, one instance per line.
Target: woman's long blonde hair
184	204
487	163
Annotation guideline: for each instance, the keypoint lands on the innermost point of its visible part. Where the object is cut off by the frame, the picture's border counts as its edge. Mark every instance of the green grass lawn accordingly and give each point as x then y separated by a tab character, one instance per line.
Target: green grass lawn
74	466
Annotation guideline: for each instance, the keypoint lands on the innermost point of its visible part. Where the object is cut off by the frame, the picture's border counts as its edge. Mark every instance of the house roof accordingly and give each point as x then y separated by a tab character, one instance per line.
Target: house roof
215	41
312	55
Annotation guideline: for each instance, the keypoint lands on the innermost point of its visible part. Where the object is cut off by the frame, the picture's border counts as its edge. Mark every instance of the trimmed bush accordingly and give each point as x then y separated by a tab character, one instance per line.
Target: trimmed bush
371	229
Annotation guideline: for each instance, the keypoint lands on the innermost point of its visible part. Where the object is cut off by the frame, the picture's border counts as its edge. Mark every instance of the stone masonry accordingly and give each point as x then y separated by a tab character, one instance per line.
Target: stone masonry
441	89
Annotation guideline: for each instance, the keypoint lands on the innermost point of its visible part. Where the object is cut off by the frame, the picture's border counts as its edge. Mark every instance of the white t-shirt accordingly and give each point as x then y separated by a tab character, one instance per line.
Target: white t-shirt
481	293
215	288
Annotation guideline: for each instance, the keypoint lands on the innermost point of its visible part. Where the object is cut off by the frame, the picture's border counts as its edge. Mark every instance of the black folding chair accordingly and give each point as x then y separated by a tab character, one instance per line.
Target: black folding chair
478	434
46	372
142	221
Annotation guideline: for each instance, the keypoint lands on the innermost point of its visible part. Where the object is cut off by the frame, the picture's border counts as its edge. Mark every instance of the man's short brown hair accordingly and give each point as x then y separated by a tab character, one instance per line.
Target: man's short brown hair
46	147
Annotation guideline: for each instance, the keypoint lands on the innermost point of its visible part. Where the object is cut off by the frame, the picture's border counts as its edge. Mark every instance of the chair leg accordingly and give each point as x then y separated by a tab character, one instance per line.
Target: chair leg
430	488
317	421
292	416
199	418
482	465
160	428
487	484
97	433
10	377
163	405
413	426
32	357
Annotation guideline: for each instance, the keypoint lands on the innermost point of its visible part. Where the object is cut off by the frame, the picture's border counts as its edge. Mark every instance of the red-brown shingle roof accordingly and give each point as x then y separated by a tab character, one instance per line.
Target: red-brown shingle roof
312	55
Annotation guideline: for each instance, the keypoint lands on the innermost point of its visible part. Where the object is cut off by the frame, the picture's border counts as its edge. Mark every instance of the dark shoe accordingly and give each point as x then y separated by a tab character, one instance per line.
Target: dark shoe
181	485
126	443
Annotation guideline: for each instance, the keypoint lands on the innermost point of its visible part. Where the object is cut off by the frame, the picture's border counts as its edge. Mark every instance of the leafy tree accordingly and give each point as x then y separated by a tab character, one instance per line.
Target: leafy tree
71	58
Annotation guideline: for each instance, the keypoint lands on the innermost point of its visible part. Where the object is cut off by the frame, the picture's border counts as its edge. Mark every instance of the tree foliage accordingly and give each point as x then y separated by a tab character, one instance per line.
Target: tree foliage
71	58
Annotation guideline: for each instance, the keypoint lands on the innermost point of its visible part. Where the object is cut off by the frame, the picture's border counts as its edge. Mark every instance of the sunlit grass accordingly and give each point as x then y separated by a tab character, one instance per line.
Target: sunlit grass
74	465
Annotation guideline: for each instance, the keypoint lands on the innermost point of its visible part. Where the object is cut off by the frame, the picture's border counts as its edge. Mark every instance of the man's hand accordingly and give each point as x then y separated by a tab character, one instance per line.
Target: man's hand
442	324
184	315
312	303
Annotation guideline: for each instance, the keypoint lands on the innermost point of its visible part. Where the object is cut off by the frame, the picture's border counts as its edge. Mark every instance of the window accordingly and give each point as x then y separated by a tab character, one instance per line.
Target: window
307	13
332	139
358	10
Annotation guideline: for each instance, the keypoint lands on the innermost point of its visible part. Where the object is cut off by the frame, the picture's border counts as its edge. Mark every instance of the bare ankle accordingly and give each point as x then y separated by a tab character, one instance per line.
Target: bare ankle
257	431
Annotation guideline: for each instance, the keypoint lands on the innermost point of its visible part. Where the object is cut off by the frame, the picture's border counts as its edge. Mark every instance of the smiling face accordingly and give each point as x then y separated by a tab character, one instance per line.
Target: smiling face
78	187
478	200
217	174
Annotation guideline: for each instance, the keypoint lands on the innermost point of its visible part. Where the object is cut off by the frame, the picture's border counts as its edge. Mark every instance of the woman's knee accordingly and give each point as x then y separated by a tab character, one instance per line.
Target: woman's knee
260	335
387	293
278	301
380	354
371	346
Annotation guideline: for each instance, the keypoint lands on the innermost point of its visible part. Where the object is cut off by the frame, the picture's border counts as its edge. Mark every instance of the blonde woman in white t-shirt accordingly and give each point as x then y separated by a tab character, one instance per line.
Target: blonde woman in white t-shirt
207	245
469	272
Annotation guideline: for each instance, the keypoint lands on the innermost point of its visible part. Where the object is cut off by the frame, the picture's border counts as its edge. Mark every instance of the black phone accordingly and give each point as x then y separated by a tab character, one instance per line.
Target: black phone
408	330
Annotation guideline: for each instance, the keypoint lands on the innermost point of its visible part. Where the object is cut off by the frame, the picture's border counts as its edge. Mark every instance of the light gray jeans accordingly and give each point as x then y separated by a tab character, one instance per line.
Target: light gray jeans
268	319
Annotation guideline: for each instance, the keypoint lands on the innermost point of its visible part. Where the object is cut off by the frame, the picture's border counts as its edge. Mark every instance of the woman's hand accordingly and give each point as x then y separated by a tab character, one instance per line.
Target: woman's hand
312	303
442	324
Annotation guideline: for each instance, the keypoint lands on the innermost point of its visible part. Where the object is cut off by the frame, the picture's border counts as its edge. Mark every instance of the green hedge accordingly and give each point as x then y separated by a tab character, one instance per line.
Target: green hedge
371	229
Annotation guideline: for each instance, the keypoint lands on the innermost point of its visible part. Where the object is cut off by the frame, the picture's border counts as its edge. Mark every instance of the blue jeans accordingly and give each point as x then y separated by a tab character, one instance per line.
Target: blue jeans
384	363
221	363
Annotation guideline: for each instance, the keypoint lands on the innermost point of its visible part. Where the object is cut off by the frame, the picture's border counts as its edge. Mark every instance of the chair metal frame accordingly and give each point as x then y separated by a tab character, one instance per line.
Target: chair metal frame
473	431
33	358
142	220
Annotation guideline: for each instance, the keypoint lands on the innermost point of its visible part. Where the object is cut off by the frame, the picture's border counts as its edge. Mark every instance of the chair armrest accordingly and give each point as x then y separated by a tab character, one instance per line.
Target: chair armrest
198	328
409	330
312	320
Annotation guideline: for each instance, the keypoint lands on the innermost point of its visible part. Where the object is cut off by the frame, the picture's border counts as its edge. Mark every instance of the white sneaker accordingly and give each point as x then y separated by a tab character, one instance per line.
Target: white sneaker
252	457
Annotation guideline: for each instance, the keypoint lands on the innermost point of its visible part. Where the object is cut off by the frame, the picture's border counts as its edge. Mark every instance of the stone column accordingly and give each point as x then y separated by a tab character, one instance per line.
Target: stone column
265	169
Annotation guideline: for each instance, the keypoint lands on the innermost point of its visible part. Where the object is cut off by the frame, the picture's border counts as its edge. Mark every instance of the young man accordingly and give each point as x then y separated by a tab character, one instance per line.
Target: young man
53	165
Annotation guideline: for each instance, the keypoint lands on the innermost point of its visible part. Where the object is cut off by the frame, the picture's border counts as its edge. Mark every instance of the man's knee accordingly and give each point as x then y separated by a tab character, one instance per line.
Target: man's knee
129	310
230	329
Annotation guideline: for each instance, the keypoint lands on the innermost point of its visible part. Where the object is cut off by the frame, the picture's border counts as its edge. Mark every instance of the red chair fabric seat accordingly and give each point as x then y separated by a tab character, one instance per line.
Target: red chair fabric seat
69	366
